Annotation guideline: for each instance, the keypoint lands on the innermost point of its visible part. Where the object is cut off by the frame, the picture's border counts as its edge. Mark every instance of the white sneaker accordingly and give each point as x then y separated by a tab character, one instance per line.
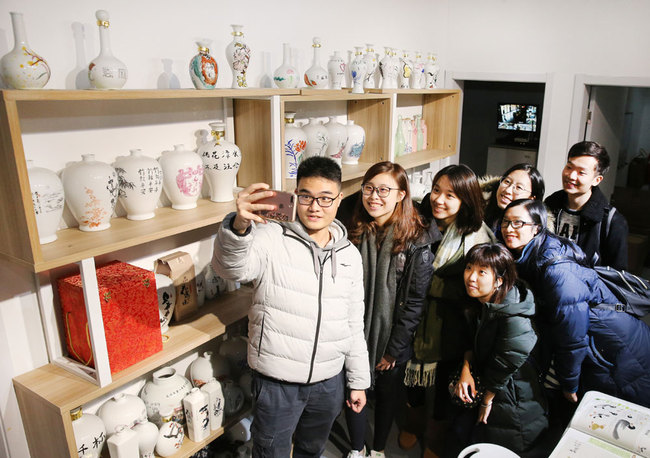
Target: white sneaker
357	453
376	454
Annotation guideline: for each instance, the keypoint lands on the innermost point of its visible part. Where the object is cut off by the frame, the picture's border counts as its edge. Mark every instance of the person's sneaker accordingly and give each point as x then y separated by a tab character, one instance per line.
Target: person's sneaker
357	453
376	454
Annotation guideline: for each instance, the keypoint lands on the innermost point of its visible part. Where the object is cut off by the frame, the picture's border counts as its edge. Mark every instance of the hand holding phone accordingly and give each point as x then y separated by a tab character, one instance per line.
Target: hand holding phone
285	207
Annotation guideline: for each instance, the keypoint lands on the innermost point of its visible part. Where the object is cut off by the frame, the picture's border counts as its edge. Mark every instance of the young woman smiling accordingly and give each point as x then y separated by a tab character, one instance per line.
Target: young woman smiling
394	242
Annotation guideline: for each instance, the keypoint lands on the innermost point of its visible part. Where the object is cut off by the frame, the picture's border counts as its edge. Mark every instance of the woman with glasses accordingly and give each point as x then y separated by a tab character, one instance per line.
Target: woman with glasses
586	344
521	181
455	205
394	242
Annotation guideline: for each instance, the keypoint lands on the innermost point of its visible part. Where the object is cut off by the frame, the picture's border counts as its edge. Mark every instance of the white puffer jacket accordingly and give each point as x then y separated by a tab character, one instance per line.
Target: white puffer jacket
306	320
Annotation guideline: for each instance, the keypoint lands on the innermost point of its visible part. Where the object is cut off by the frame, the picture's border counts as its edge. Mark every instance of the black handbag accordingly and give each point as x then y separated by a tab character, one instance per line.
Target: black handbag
480	389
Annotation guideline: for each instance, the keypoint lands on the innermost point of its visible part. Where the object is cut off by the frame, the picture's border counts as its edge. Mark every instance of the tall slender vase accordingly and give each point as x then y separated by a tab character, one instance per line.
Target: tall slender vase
405	70
316	76
431	72
204	70
295	143
106	71
286	75
48	200
221	161
417	76
370	58
358	69
400	141
22	68
336	69
238	54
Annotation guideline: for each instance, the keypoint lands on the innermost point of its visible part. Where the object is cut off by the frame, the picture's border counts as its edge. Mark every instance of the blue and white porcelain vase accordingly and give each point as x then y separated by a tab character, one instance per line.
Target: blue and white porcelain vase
295	143
204	70
358	69
355	143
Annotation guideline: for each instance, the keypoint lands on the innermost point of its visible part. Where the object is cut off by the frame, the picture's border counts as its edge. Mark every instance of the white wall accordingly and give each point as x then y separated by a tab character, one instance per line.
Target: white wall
554	37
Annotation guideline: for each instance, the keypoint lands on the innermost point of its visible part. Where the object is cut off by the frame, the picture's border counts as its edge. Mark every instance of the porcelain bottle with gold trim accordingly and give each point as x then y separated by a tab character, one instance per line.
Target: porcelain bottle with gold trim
106	71
238	54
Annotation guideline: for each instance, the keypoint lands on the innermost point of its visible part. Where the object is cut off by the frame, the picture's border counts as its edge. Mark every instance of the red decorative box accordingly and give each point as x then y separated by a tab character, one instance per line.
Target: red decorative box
129	309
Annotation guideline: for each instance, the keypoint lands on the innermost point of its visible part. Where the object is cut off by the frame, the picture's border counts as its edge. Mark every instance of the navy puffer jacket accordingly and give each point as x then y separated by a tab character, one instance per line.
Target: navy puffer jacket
593	348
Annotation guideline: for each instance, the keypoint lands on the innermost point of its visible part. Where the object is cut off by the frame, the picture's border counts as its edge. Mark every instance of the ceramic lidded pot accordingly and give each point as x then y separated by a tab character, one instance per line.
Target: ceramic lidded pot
91	189
338	138
170	435
201	369
316	76
238	54
106	71
89	433
358	70
336	69
22	68
48	200
295	143
182	177
286	75
221	161
147	437
165	391
140	179
204	70
355	143
317	138
166	300
122	409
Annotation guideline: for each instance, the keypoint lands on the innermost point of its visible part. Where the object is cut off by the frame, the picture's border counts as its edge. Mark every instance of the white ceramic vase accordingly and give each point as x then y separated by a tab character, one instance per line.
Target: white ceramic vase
124	443
316	76
197	415
182	177
147	437
214	285
22	68
405	70
417	76
431	72
355	143
122	409
106	71
358	69
336	69
204	70
140	180
221	161
166	300
295	143
215	397
317	138
48	199
370	58
201	370
286	75
91	189
238	54
200	288
165	391
338	138
89	433
389	69
170	435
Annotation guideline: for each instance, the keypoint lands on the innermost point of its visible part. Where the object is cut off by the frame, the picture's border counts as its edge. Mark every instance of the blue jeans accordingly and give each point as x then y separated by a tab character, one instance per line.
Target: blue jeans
284	410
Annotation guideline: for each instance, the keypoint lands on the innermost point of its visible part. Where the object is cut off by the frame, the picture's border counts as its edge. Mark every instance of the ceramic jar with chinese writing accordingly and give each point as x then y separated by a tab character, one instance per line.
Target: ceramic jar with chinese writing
336	69
140	179
182	177
165	391
355	143
122	409
316	76
238	54
204	70
170	435
106	71
48	200
197	414
89	433
166	300
215	397
286	75
295	143
22	68
317	138
91	190
338	138
221	161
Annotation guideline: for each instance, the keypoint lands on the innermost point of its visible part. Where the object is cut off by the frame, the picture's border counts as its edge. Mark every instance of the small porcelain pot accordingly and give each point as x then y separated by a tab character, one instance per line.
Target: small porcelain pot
122	409
286	75
336	69
295	143
182	177
166	300
48	199
140	179
201	369
147	437
204	70
316	76
317	138
338	138
221	161
170	435
22	68
356	142
106	71
166	391
238	54
89	433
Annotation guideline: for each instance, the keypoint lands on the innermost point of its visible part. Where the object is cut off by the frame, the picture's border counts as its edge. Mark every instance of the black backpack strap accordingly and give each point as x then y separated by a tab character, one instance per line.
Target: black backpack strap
603	231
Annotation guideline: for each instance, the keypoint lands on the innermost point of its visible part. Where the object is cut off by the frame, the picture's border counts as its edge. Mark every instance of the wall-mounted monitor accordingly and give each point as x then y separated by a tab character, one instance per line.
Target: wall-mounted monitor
517	117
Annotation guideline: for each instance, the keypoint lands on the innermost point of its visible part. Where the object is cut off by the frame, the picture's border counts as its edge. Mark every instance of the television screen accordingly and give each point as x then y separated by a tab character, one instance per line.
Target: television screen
517	117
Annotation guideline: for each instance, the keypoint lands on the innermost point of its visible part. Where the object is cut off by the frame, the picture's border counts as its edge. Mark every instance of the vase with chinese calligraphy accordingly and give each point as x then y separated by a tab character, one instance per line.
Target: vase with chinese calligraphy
48	200
316	76
165	391
22	68
204	70
89	433
295	143
182	177
197	414
336	69
166	300
238	54
221	161
140	179
286	75
106	71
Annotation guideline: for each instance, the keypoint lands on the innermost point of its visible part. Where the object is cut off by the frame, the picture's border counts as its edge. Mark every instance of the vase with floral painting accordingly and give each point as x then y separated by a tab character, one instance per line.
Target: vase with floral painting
389	69
295	143
431	72
204	70
417	75
286	75
316	76
182	177
338	138
356	142
317	138
22	68
405	70
238	54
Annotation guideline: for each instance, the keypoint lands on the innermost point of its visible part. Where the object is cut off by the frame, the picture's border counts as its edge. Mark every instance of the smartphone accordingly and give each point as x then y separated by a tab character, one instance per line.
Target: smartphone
285	206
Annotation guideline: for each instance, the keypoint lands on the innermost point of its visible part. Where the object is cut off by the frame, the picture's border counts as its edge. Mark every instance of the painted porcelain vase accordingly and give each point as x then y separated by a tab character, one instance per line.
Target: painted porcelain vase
336	69
417	76
22	68
197	414
182	177
91	189
204	70
431	72
122	409
215	397
405	70
200	288
316	76
165	391
170	435
166	300
214	285
355	143
201	370
286	75
48	199
89	433
358	70
295	143
338	138
106	71
147	437
238	54
317	138
140	180
124	443
389	69
370	58
221	161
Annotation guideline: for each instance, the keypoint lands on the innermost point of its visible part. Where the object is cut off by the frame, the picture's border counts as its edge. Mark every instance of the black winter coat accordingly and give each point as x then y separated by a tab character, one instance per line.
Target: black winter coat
612	250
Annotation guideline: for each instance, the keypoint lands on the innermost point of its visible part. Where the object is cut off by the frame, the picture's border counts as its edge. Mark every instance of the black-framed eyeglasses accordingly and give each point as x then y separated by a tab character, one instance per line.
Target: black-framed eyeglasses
323	201
517	188
382	191
516	224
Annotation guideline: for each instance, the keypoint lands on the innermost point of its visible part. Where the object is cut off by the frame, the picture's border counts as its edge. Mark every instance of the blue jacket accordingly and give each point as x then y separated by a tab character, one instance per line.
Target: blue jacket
594	348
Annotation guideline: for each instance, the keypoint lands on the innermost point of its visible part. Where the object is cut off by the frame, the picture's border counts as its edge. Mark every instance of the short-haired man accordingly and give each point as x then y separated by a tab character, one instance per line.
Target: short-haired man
583	213
305	331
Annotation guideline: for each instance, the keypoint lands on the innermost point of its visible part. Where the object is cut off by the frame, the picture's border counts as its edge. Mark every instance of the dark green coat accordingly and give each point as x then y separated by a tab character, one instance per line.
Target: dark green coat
503	342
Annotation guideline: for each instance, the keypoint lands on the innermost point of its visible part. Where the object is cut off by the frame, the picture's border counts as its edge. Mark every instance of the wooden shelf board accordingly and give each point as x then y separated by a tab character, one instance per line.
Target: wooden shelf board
413	91
73	245
325	95
350	172
65	391
422	157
